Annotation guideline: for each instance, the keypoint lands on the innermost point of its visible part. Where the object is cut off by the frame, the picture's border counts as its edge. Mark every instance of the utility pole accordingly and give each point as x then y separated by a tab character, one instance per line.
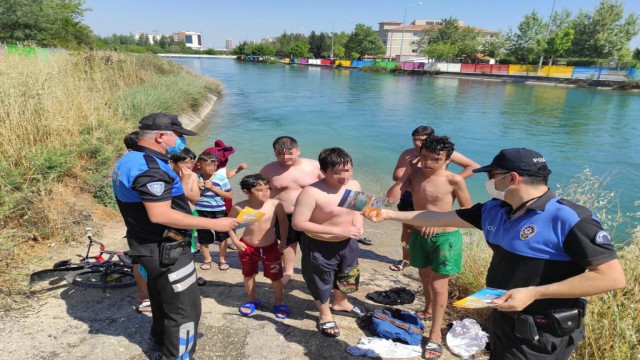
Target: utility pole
547	33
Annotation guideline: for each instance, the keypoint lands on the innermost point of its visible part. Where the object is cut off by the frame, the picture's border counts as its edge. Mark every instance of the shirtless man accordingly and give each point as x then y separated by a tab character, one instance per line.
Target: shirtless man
288	175
409	160
436	252
329	248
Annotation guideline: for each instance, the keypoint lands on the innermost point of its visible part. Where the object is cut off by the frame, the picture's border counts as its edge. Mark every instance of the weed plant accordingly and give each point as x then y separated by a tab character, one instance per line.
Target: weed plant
64	117
613	319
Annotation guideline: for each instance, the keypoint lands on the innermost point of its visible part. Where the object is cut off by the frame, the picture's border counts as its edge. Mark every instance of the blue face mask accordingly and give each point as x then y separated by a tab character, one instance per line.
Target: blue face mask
181	143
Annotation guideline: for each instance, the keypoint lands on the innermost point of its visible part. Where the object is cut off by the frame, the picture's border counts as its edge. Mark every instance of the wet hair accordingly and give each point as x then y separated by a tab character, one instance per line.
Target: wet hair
333	158
185	154
207	156
284	143
423	131
436	144
250	181
131	139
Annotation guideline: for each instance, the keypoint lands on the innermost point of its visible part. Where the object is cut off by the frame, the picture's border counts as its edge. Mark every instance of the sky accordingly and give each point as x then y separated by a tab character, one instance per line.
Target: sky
257	19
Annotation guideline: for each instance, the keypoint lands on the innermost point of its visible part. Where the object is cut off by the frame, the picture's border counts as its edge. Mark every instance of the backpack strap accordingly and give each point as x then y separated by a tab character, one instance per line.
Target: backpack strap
397	323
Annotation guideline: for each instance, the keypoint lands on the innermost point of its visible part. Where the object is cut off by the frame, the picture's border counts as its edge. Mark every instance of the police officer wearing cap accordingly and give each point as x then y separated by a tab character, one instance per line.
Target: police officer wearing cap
548	253
158	218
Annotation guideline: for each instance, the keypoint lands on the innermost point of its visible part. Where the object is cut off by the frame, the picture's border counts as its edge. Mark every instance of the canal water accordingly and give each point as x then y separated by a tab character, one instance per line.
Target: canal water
372	116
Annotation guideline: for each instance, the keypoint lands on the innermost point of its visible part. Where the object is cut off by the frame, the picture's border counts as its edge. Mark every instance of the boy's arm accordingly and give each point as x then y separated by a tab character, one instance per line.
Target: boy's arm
461	192
421	218
225	194
395	191
467	164
305	204
358	220
283	223
232	233
190	185
401	166
234	172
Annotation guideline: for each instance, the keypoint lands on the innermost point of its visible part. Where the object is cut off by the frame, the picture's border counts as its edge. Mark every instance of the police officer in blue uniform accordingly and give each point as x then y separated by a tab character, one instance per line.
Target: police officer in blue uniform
158	220
547	252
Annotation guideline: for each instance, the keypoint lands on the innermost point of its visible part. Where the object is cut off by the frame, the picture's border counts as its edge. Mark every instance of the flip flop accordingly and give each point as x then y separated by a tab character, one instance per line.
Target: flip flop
324	328
434	348
206	265
145	306
399	265
365	241
223	266
249	307
355	312
281	311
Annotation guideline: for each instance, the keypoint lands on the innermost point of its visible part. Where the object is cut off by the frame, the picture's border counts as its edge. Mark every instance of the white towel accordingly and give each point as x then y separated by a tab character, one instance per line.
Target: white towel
378	347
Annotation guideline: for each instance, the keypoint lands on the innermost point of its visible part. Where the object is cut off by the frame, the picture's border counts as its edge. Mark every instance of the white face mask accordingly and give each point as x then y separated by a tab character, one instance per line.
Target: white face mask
490	186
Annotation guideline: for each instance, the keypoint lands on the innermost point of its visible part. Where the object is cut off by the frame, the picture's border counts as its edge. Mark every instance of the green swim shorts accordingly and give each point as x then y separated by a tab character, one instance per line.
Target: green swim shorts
442	251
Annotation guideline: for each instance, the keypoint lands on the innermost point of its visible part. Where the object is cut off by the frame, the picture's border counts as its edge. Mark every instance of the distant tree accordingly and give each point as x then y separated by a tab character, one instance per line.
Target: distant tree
441	51
284	42
560	35
263	49
244	48
364	41
494	47
338	50
636	54
463	41
300	50
319	44
605	33
44	23
527	43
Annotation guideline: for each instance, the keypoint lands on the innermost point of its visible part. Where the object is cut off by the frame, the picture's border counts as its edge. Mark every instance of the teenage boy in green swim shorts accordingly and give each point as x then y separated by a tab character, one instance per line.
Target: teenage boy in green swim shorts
436	252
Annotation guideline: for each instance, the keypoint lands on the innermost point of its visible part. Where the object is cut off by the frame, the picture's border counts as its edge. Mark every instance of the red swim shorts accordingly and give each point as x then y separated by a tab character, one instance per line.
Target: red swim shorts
269	256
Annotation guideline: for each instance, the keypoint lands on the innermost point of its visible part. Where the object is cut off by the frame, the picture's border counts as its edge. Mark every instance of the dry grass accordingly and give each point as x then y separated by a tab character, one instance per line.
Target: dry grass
63	118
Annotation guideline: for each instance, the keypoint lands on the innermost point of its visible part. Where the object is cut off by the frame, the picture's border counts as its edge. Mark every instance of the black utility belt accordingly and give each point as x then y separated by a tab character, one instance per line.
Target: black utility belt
175	245
562	322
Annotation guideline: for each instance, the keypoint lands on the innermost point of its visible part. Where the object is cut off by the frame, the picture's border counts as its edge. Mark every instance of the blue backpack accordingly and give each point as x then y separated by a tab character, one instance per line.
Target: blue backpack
397	325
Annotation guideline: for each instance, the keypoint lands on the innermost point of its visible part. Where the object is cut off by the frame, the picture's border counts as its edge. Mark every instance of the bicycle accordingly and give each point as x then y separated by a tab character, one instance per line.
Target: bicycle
92	271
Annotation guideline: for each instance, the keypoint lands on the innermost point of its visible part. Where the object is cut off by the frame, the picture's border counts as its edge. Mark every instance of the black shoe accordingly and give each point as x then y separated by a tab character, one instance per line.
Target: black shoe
365	241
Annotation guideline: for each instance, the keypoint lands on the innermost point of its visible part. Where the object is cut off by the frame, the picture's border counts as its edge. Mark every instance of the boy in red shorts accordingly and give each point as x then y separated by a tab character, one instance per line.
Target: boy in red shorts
260	244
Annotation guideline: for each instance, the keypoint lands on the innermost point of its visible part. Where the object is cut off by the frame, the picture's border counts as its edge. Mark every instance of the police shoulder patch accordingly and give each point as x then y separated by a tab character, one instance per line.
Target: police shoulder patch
603	238
527	232
156	188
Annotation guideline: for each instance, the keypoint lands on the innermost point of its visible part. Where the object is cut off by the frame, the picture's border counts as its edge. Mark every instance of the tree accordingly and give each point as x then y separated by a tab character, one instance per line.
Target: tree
300	50
364	41
284	42
44	23
463	41
605	33
560	35
636	54
526	44
263	49
320	44
494	47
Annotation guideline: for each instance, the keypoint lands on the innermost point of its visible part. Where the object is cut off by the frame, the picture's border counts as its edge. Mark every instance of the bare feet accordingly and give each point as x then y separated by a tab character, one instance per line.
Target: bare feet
425	315
286	278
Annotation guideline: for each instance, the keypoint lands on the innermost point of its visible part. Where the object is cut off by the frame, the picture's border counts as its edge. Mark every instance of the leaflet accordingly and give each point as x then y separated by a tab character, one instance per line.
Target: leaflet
480	299
359	201
248	216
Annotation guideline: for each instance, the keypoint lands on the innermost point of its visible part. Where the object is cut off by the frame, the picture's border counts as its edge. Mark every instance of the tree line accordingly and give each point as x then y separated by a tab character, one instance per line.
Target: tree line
585	38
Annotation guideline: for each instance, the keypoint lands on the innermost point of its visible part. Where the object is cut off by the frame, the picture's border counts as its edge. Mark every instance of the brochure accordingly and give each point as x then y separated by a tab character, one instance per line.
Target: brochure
248	216
480	299
359	201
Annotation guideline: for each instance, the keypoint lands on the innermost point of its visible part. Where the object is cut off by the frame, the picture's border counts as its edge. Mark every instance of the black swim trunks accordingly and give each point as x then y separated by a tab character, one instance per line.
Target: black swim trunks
406	202
293	236
328	265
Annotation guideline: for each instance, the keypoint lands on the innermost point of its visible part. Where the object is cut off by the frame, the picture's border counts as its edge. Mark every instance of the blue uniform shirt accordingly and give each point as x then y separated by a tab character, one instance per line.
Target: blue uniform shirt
144	175
553	240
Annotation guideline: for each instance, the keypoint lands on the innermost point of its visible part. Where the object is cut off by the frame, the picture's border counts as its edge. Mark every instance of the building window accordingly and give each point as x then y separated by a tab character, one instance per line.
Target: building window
188	39
415	33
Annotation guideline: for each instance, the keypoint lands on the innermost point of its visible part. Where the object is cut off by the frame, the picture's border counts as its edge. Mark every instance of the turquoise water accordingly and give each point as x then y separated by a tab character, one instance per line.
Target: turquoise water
372	116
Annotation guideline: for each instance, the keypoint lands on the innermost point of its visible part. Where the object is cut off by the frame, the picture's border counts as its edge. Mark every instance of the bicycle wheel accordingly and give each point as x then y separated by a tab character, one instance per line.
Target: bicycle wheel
102	278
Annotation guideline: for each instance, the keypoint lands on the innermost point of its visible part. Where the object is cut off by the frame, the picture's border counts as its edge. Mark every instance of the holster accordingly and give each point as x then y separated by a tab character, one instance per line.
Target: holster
525	327
565	321
174	246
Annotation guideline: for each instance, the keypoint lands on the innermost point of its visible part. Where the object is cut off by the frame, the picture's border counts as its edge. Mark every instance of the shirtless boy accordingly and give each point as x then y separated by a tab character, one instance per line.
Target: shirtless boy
409	160
436	252
329	248
259	243
288	175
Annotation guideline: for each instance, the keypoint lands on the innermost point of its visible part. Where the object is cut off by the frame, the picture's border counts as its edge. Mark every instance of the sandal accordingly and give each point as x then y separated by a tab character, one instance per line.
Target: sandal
223	266
281	311
399	265
423	315
324	328
355	312
145	306
206	265
433	348
365	241
249	307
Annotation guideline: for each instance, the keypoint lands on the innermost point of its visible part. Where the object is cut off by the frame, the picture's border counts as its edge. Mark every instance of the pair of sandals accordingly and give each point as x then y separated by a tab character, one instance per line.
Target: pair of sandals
434	348
223	266
279	311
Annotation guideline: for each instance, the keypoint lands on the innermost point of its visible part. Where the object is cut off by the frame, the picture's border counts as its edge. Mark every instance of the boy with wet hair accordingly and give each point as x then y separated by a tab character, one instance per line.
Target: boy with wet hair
409	160
329	246
214	188
131	139
182	163
436	252
259	243
288	175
